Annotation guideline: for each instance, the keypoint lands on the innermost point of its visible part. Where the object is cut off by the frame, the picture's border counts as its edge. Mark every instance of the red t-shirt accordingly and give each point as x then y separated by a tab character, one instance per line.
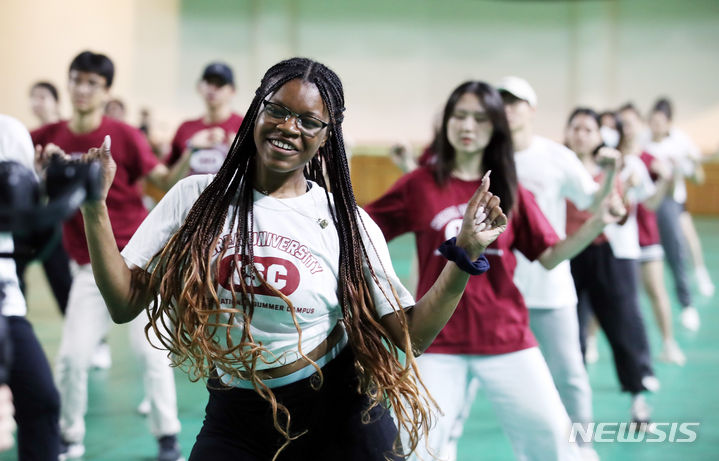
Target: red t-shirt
491	317
134	159
212	158
646	218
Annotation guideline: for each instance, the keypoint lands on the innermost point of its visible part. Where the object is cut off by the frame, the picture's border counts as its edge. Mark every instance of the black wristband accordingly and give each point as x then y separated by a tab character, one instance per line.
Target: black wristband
451	251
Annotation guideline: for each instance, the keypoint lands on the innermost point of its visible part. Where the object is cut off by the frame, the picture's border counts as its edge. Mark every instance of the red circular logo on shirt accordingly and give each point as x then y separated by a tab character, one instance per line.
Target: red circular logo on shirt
279	273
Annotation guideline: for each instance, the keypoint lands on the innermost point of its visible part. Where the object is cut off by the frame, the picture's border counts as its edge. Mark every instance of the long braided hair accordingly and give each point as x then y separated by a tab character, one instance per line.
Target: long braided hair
185	314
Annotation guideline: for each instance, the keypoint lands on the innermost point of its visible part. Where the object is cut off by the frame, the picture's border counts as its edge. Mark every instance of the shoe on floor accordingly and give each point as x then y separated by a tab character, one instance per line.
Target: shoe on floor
704	282
690	318
144	407
640	410
101	358
591	353
169	449
671	353
651	383
71	450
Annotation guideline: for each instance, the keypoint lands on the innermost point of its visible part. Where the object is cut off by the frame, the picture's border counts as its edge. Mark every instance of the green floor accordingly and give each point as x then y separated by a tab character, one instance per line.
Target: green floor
115	432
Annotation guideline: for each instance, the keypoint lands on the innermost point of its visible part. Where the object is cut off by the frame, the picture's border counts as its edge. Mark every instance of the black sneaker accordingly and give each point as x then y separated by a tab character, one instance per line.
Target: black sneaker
169	449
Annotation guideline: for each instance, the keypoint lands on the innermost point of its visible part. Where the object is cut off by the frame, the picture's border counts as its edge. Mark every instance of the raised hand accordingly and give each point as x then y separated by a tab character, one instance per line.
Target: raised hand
109	167
483	221
613	209
207	138
608	157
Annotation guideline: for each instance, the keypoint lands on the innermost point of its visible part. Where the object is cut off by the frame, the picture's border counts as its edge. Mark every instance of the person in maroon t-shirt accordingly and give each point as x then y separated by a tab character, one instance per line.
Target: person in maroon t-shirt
201	145
487	340
87	320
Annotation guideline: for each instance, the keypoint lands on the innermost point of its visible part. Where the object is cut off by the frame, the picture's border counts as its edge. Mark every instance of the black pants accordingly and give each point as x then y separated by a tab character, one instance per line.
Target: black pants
608	286
57	271
37	402
239	426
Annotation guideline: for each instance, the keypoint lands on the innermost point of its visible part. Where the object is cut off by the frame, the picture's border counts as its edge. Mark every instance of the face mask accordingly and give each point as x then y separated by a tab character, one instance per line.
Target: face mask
610	136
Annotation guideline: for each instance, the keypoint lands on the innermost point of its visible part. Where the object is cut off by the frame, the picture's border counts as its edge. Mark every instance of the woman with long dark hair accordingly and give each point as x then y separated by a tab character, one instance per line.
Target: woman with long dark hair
283	294
606	272
487	340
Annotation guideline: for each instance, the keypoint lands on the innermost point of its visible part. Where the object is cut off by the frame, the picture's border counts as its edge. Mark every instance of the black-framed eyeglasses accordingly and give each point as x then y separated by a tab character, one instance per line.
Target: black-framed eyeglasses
308	125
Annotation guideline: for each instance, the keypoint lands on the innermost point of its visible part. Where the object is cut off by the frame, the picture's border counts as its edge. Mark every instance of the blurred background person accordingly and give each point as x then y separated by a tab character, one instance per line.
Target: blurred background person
651	256
553	174
672	147
201	145
45	103
115	108
606	274
90	77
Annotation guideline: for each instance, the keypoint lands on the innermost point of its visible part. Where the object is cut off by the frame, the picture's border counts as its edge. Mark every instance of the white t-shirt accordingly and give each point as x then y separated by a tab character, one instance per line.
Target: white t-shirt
552	173
292	252
676	149
16	146
624	239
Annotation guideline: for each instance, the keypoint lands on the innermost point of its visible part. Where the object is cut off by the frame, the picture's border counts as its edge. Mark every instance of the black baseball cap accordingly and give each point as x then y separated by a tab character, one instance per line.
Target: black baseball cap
219	70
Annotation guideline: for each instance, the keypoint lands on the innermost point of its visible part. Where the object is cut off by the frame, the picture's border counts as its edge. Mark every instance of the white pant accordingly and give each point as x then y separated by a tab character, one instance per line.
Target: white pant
86	323
557	331
520	389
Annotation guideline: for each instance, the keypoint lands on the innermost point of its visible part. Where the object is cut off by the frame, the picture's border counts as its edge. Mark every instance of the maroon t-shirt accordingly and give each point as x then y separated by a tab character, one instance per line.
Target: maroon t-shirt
134	159
204	160
646	218
491	317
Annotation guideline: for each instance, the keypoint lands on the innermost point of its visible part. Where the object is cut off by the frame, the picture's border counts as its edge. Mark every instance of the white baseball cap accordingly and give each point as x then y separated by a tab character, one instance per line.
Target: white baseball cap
519	88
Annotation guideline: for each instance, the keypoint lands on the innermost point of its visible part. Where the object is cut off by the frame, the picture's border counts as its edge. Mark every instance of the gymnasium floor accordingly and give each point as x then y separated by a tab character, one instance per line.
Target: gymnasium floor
688	394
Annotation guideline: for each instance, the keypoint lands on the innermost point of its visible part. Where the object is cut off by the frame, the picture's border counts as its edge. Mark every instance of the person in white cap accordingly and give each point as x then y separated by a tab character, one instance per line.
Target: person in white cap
553	174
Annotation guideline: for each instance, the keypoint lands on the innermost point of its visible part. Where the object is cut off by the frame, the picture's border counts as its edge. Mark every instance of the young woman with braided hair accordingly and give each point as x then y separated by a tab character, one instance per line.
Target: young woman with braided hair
258	278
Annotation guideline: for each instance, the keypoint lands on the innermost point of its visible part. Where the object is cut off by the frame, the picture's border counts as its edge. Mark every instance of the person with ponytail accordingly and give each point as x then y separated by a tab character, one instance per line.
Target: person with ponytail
280	293
487	343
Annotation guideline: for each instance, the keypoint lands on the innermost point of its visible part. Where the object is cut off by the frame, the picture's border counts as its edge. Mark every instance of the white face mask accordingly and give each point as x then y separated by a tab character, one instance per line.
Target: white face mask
610	136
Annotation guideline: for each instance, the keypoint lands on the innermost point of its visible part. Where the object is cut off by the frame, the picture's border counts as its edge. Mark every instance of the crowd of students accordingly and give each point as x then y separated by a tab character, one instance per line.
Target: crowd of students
260	274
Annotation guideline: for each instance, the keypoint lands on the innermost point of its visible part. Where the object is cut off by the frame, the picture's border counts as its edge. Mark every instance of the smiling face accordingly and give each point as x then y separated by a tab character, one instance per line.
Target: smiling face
282	149
469	128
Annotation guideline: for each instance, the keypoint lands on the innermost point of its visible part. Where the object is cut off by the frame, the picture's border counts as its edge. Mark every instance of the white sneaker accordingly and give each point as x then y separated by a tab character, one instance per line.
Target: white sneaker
671	353
651	383
640	410
704	282
690	318
101	358
144	407
70	451
587	453
591	354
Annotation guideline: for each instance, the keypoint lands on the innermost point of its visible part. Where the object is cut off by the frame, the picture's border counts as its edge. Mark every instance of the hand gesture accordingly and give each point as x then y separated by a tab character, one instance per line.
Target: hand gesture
661	169
608	157
613	209
44	154
403	156
109	167
207	138
483	221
